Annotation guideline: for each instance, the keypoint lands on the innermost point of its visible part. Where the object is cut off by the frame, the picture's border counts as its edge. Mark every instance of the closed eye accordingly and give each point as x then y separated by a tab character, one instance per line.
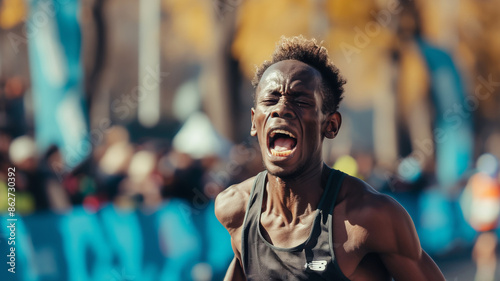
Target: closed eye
269	101
271	98
303	103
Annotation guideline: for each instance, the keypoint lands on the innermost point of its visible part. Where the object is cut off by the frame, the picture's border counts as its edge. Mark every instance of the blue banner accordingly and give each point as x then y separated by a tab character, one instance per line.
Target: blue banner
54	44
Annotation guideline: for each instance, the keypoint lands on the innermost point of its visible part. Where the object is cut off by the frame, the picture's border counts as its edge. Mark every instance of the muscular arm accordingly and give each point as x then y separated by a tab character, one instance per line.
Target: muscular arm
405	268
230	208
399	247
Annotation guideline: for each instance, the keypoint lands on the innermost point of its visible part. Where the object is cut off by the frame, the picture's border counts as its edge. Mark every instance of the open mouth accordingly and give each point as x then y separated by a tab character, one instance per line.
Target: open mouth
281	143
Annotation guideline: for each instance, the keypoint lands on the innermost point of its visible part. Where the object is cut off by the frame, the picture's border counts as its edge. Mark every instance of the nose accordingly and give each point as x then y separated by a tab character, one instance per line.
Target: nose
282	110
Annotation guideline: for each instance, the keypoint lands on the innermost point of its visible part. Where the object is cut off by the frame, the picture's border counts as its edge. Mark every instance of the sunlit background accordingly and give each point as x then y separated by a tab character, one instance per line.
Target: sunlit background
124	119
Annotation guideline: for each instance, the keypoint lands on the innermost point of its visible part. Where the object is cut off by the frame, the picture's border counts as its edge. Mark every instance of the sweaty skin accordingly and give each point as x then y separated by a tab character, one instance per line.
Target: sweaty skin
374	237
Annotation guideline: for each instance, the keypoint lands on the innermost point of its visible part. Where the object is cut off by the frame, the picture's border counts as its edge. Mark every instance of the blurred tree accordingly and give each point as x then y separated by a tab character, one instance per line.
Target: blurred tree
361	40
93	78
260	25
191	25
12	12
478	23
203	31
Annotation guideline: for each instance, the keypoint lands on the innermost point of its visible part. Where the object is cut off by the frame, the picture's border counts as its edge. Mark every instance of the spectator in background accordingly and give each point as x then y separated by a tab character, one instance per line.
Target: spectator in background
30	179
119	218
196	169
113	159
12	97
481	206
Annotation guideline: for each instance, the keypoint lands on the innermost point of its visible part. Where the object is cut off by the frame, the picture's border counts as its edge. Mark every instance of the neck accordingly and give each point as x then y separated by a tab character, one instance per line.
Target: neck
292	198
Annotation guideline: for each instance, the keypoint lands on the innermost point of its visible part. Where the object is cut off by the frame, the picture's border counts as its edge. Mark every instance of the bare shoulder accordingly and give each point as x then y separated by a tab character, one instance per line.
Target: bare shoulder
387	223
230	204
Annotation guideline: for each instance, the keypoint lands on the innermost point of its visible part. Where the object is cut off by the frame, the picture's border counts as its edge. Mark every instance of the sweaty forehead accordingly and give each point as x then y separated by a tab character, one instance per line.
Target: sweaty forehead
291	72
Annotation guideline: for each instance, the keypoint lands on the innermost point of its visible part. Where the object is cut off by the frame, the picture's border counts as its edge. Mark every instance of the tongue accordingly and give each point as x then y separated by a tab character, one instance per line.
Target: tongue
283	144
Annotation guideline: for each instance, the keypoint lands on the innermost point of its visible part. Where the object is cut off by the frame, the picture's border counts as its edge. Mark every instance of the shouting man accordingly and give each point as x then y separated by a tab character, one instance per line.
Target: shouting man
299	219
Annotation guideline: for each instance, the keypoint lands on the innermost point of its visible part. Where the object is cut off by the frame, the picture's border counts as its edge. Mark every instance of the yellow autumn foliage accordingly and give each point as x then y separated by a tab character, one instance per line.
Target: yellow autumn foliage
12	12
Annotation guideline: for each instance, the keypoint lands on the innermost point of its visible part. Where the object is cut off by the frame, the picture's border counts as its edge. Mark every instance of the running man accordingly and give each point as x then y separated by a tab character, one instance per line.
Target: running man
299	219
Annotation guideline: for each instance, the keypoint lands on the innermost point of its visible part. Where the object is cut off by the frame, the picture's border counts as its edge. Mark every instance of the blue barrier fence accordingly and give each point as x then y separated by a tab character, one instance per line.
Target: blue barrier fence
117	244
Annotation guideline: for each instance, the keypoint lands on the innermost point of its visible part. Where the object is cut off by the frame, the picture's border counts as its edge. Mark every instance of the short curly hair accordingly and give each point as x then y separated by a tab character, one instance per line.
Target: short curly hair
309	52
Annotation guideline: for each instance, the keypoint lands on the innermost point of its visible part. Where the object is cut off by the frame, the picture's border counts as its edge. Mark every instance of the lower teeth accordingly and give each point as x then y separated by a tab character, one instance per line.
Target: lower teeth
281	153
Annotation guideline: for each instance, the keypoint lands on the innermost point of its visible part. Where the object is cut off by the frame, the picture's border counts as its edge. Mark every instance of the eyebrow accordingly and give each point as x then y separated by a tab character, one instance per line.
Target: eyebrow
295	94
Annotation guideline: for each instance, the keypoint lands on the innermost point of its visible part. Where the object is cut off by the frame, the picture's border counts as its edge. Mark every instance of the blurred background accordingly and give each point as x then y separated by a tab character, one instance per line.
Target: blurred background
124	119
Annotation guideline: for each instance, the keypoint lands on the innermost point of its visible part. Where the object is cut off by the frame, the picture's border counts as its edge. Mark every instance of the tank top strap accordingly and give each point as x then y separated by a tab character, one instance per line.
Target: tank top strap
327	217
332	189
252	214
255	196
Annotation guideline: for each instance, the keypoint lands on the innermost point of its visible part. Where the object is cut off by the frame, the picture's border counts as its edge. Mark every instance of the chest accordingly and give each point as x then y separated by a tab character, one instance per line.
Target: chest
280	234
348	238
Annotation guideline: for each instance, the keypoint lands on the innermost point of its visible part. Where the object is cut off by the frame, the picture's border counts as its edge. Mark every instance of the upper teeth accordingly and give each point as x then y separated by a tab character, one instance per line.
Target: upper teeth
274	132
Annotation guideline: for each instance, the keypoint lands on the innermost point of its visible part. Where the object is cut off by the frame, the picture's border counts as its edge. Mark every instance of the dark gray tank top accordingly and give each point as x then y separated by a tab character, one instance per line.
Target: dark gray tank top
312	260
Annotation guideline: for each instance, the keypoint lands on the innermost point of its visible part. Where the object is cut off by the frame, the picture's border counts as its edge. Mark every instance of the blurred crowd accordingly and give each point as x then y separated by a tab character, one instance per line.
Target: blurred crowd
145	204
119	171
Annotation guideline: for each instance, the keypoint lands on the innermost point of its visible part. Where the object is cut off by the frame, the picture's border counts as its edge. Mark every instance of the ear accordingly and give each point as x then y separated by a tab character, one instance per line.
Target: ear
332	125
253	130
